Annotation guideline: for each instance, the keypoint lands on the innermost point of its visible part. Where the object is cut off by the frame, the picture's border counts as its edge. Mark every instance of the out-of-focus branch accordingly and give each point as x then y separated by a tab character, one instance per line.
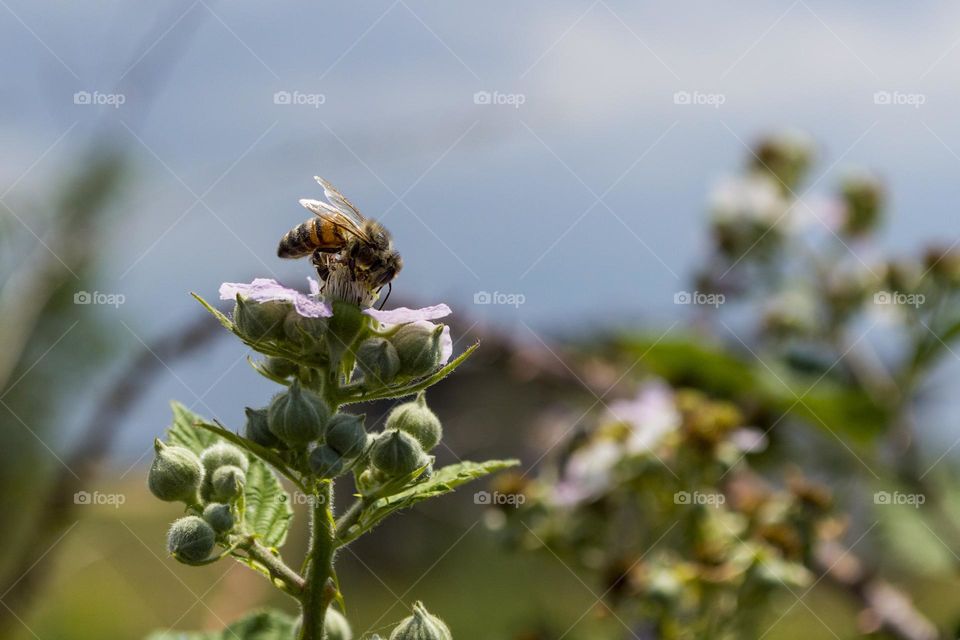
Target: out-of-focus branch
884	606
93	448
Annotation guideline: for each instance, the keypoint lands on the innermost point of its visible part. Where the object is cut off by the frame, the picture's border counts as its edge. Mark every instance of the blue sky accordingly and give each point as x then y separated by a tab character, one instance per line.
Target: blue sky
587	197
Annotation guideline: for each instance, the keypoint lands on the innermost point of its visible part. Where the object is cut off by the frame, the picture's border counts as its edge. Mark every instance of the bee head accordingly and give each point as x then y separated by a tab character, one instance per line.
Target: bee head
389	266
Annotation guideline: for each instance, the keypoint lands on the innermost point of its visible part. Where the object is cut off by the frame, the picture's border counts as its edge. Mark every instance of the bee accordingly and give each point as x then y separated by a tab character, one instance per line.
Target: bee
341	235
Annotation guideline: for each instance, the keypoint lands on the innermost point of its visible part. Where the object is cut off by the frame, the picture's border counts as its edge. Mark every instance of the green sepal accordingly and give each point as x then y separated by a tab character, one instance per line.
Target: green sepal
411	388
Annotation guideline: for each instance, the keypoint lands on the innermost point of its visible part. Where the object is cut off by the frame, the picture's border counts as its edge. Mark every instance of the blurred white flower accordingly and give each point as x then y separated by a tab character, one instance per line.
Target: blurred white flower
588	473
651	416
752	198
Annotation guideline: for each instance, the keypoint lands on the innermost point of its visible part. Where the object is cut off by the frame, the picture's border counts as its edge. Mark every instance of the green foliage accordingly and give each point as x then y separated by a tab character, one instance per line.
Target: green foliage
443	481
260	625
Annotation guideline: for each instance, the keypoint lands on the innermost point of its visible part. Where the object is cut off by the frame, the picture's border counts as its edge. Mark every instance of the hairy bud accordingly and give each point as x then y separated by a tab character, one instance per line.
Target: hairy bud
325	462
419	348
219	516
302	330
190	539
396	453
222	454
422	625
176	474
346	435
280	367
336	627
297	416
260	320
258	430
418	420
227	483
379	361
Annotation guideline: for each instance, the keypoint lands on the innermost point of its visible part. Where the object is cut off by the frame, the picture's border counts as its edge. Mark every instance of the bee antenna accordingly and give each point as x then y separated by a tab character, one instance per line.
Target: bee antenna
389	291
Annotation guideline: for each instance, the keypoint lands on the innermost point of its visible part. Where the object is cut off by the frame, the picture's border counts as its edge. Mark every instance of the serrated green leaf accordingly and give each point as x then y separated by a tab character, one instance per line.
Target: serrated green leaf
268	505
183	431
260	625
268	509
443	481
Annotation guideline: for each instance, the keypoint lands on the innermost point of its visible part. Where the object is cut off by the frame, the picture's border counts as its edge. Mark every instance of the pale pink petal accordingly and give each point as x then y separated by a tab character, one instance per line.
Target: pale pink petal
446	345
268	290
260	290
403	315
310	307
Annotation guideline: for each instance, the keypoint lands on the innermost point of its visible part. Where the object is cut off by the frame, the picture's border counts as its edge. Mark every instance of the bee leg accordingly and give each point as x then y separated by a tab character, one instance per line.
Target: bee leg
387	297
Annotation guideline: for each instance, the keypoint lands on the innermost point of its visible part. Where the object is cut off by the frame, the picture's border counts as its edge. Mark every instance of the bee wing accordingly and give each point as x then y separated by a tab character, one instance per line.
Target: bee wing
332	215
340	201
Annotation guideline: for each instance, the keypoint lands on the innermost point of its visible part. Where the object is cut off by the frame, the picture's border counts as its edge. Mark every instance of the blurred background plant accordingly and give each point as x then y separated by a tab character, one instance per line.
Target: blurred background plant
685	516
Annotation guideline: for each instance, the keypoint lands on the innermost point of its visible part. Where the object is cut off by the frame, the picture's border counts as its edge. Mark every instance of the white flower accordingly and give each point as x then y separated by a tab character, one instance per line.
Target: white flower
651	416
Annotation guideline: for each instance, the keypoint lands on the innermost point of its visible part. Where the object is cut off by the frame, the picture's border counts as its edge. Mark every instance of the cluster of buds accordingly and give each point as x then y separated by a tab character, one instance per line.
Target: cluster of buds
377	354
210	485
658	500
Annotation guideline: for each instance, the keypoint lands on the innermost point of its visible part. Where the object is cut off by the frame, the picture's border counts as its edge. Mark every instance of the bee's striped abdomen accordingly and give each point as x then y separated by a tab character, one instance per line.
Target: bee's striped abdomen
309	236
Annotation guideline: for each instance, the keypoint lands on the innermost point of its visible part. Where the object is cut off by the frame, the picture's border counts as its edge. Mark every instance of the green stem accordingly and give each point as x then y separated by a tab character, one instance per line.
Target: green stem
348	519
317	594
291	580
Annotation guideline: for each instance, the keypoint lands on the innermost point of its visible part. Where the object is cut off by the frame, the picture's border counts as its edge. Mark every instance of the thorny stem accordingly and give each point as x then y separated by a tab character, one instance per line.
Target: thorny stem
316	593
292	582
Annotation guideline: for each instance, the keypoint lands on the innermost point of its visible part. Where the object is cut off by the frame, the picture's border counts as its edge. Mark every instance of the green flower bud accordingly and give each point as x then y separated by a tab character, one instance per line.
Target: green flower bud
260	320
176	473
377	358
297	416
191	539
219	516
346	435
325	462
280	367
223	454
257	429
396	453
418	345
422	625
227	483
418	420
335	626
302	330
